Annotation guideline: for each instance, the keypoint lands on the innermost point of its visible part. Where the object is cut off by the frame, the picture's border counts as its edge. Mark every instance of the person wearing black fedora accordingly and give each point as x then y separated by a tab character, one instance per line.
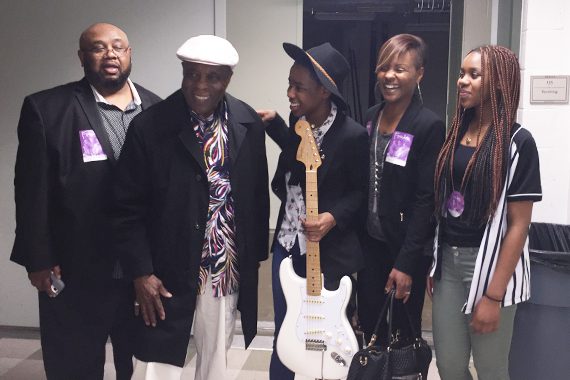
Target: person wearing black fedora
314	96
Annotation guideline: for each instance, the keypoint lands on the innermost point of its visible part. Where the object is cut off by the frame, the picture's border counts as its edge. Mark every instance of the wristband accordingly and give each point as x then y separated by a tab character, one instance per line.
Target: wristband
493	299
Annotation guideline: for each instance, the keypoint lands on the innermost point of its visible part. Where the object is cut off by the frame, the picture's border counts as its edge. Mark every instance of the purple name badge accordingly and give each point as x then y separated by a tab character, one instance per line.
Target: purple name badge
369	128
455	204
399	148
90	146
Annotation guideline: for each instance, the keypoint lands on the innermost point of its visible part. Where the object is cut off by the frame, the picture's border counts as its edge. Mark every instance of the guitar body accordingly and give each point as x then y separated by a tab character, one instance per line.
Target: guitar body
316	339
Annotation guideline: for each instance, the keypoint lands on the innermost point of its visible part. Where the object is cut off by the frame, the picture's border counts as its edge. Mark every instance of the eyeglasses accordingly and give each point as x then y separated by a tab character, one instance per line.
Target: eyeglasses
99	50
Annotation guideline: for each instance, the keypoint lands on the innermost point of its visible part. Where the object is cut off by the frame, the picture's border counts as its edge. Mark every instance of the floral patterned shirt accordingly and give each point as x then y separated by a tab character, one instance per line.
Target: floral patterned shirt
219	252
291	228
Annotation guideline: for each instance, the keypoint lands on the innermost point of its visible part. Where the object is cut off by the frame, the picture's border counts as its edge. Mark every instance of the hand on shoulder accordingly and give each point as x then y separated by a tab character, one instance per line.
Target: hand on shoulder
266	115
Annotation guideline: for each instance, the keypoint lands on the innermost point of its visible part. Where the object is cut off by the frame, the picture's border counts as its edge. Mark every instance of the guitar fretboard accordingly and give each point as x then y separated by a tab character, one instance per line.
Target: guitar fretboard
314	278
308	154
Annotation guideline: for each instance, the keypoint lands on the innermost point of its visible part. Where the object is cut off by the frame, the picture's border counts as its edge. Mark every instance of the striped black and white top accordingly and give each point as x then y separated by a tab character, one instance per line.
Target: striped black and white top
522	184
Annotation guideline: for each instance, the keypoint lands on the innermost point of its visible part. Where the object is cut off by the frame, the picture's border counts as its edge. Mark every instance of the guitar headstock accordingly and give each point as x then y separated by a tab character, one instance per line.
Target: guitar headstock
308	152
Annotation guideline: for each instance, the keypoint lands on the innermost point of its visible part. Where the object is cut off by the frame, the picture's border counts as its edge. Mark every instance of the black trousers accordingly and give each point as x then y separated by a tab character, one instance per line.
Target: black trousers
76	324
371	295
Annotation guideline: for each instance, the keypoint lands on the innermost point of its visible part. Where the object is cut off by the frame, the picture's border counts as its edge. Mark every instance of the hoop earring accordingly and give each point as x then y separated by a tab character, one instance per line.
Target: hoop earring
420	93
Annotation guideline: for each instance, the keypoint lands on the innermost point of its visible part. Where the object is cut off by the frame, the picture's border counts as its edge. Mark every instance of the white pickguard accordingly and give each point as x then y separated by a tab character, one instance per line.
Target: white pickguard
316	339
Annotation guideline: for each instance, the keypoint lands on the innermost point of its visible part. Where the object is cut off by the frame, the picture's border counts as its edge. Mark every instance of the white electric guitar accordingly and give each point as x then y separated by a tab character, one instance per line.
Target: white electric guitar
316	339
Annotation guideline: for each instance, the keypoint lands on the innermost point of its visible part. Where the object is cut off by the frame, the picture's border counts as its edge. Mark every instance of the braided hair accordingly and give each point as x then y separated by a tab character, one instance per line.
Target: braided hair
486	171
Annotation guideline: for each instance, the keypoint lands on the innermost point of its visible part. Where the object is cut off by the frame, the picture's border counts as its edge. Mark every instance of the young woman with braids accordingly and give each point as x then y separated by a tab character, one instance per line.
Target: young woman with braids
405	138
486	180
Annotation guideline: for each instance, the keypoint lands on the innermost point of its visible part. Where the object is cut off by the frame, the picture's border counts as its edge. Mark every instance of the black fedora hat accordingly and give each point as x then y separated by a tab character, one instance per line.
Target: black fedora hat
328	64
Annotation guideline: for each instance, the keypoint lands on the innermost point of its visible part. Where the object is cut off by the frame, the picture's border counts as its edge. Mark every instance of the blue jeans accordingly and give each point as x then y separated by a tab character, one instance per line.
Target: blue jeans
278	371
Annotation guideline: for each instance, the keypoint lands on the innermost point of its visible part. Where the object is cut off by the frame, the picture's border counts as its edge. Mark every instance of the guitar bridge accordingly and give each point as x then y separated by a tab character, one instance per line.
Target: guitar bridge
315	345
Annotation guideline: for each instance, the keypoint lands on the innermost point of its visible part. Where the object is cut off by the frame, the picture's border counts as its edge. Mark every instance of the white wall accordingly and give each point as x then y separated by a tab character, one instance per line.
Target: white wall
544	51
40	40
257	32
544	33
38	51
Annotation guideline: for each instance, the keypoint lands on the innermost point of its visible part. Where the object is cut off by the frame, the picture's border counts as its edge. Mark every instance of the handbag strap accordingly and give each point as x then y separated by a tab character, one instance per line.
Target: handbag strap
415	333
389	308
388	303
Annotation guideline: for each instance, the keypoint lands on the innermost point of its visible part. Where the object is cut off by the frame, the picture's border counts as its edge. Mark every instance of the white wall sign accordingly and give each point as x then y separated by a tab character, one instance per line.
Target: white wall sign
549	89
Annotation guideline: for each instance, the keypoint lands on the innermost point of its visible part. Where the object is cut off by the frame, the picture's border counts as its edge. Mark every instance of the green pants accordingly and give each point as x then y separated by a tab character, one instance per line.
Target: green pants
453	338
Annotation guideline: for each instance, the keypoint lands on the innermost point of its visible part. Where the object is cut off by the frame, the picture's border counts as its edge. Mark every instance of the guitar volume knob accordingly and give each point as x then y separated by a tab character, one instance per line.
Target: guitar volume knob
338	359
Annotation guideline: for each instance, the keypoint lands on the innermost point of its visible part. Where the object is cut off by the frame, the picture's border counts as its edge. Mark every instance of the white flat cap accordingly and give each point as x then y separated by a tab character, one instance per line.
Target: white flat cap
209	50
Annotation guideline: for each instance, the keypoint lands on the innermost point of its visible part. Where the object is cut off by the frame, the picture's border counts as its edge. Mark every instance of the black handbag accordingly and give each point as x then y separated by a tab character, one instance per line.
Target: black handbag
404	359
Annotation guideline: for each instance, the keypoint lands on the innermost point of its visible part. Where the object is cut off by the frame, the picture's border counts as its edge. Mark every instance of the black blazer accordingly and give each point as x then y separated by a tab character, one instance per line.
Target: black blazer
62	203
406	199
162	197
342	184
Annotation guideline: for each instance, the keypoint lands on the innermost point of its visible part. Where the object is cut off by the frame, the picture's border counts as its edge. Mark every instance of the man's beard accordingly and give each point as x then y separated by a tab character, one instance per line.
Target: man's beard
110	85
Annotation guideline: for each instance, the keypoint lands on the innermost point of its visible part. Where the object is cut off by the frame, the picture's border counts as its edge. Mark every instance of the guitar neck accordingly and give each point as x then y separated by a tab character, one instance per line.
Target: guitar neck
314	278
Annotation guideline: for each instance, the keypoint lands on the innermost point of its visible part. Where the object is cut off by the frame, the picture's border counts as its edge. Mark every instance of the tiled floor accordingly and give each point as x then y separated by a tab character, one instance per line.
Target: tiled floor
21	358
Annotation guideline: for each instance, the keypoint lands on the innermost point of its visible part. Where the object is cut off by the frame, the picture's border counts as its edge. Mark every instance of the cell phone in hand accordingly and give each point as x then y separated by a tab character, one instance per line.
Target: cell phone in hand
57	284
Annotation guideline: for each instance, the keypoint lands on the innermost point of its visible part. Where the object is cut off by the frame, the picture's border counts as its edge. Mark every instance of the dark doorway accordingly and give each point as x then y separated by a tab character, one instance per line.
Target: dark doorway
357	28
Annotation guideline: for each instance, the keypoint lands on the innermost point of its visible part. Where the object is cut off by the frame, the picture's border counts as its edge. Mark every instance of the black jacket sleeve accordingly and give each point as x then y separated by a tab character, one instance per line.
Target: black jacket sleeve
278	131
421	224
348	206
132	192
33	188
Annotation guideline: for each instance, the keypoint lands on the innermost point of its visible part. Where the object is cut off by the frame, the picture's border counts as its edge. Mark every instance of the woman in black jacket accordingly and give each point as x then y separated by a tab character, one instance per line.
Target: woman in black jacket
405	138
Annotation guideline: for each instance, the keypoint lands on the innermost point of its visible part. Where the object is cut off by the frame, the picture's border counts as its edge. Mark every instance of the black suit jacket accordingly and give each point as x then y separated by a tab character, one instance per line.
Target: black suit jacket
162	197
342	185
406	200
62	203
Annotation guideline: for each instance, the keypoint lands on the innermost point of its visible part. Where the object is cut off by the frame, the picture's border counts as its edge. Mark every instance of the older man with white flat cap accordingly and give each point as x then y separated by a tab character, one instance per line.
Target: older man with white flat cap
192	217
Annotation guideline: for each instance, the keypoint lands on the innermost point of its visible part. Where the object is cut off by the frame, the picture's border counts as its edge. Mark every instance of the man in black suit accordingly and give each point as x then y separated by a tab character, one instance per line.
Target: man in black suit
69	139
192	216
